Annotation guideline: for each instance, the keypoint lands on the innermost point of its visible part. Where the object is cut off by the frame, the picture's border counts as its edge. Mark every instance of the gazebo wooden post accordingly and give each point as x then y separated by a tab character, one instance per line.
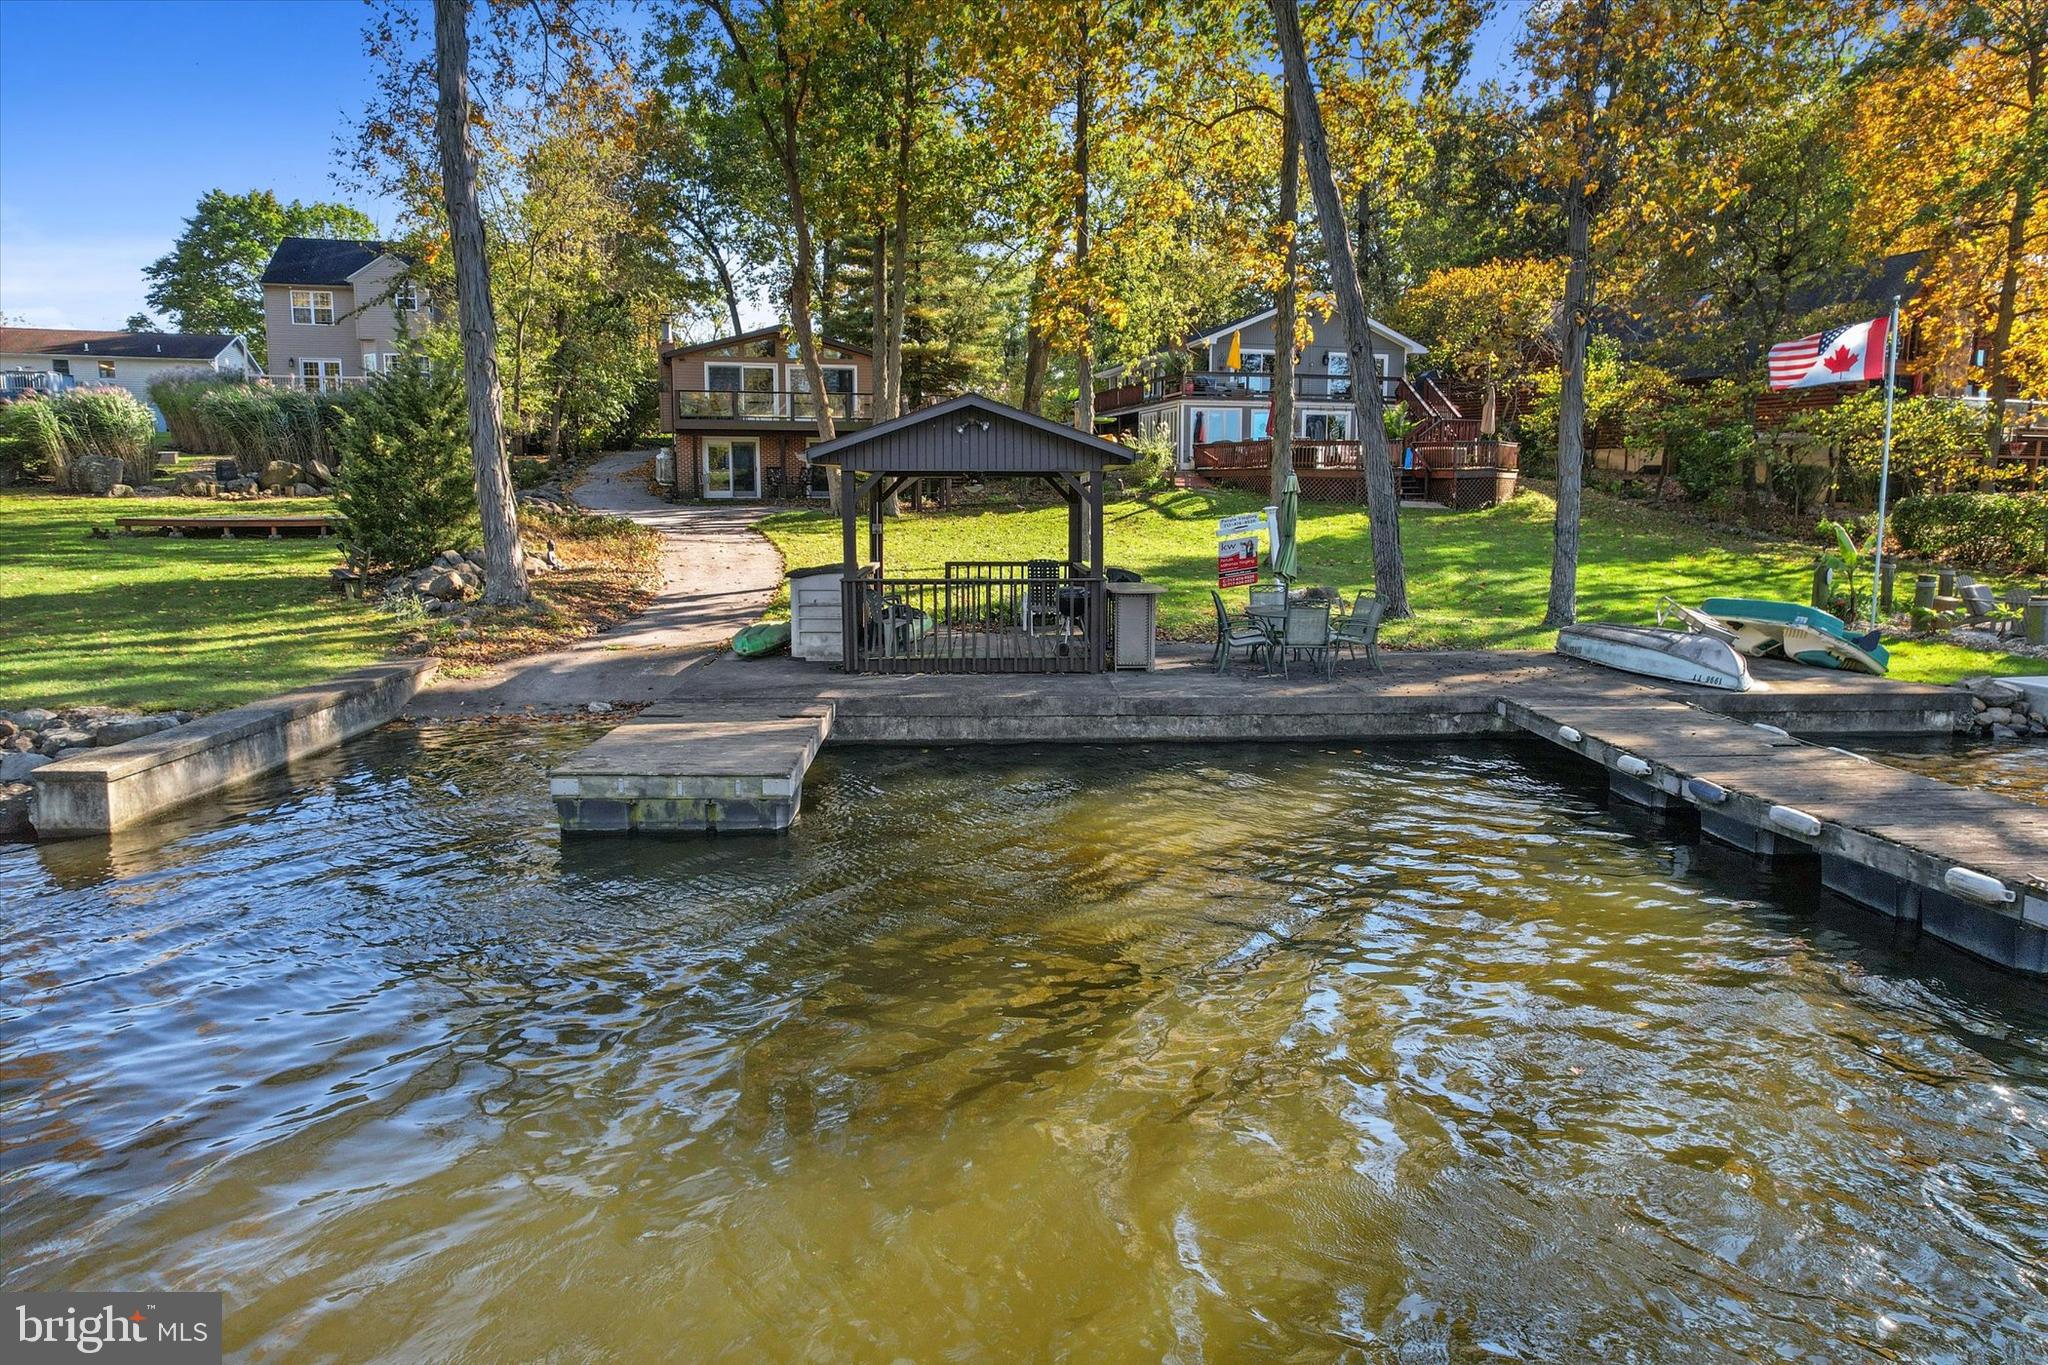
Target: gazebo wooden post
1096	482
849	499
1077	528
874	493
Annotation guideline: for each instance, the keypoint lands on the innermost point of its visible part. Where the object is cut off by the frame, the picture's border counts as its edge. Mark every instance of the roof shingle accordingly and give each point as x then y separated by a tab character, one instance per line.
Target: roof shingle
319	260
113	345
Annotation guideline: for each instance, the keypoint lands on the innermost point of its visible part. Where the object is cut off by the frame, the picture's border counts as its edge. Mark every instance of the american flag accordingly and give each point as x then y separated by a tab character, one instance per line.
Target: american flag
1840	355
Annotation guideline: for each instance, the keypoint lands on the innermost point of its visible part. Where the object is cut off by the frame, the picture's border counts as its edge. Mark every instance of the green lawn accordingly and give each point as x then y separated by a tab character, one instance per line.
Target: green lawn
1477	580
157	624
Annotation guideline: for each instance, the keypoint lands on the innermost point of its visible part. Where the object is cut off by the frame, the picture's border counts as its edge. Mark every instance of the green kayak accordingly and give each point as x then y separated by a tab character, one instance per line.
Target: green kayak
1806	634
761	639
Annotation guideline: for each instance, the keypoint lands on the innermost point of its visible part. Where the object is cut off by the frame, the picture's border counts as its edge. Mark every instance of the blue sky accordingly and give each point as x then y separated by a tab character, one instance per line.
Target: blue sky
115	116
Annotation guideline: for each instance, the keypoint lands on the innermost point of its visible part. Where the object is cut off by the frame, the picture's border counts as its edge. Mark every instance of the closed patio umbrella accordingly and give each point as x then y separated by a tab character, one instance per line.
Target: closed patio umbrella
1284	553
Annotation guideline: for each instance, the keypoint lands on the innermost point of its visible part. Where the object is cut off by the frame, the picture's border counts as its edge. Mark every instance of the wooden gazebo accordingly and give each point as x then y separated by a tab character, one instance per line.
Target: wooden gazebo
980	616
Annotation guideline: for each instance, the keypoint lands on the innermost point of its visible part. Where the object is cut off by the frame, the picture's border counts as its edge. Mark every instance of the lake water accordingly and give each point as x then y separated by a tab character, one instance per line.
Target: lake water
1184	1053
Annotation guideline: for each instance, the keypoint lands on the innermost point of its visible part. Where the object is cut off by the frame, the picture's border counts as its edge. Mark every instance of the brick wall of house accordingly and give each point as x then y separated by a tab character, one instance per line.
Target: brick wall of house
784	472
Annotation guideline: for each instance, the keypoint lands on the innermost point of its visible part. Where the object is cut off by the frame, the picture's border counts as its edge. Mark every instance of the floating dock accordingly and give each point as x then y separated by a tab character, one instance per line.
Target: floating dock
673	768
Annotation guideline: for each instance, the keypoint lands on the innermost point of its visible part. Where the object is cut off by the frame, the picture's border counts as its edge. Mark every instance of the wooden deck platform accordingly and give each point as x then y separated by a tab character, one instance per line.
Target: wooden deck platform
1967	866
268	527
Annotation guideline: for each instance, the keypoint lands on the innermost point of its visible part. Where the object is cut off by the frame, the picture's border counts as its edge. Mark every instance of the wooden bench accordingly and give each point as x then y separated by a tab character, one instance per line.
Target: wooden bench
273	528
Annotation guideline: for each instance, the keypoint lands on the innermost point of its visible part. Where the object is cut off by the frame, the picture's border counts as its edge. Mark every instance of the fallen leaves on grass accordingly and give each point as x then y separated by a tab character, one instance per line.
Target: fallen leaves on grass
611	570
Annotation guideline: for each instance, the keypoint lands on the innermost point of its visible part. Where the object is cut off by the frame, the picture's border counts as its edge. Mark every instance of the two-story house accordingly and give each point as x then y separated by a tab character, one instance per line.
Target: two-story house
743	415
1211	401
1218	386
332	310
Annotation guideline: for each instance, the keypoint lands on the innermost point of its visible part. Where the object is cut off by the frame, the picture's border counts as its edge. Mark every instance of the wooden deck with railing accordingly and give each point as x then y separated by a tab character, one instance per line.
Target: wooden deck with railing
1464	473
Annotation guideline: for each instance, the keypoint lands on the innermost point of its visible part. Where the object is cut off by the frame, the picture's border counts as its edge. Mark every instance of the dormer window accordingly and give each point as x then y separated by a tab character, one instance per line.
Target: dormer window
313	307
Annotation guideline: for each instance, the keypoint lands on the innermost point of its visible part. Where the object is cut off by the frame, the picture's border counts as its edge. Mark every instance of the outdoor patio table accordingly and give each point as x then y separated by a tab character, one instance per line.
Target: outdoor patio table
1273	622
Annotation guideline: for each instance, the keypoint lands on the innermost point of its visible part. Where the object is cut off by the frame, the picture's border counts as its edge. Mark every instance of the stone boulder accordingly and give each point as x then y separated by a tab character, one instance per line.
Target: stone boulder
31	717
317	472
14	807
121	490
304	490
194	484
121	729
17	767
279	475
95	474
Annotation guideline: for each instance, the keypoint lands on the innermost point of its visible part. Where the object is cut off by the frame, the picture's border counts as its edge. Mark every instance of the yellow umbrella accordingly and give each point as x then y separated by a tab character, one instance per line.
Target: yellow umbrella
1235	360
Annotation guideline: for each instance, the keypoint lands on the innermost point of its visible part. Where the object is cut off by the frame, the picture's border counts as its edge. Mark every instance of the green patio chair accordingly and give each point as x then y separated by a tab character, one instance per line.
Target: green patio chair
1233	635
1307	631
1361	630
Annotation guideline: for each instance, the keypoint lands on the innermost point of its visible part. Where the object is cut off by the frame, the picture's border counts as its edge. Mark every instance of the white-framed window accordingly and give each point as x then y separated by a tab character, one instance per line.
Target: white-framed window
839	385
313	307
1258	369
754	385
1325	424
106	369
732	467
1262	424
1218	424
405	297
320	373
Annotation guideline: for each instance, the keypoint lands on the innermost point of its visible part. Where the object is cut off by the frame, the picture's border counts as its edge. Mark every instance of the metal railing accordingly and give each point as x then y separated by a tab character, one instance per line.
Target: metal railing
769	405
1223	456
1233	384
982	616
332	383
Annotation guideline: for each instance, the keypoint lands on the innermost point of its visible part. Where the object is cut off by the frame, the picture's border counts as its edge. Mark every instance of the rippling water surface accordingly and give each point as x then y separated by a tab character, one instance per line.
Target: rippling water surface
1107	1053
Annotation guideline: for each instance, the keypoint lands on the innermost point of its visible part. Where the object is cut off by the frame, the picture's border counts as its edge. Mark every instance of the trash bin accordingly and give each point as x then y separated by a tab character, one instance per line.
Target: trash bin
816	631
1135	607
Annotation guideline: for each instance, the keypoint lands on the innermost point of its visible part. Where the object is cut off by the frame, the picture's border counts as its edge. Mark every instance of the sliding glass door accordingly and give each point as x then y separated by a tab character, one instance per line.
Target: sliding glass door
732	467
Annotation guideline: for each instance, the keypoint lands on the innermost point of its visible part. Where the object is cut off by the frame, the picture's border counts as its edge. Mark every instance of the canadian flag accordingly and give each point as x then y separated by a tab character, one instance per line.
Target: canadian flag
1840	355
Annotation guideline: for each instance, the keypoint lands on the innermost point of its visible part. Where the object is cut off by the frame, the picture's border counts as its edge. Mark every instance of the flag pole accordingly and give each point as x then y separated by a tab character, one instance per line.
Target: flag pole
1884	471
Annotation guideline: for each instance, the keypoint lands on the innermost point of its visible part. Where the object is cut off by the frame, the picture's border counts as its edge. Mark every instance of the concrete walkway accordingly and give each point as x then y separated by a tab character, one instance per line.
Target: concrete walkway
718	574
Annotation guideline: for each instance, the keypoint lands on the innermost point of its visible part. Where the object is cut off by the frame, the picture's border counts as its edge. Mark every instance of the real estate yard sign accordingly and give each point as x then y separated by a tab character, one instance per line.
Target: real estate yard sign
1237	562
1243	524
1237	549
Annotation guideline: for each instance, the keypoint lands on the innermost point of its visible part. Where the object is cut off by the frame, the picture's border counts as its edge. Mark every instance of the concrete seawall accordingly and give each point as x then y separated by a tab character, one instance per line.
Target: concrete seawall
102	790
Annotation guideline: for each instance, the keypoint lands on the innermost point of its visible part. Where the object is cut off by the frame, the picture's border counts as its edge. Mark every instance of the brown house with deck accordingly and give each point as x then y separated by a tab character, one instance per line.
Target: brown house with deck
743	416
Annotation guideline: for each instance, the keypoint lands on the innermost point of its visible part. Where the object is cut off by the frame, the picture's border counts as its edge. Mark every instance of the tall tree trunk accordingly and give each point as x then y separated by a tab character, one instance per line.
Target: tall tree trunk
1997	376
504	565
878	295
1035	349
1571	405
1084	359
899	280
1281	429
1382	493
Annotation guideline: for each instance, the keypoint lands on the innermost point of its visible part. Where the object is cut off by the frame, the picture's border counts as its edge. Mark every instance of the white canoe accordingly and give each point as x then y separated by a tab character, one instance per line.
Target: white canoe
1674	655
